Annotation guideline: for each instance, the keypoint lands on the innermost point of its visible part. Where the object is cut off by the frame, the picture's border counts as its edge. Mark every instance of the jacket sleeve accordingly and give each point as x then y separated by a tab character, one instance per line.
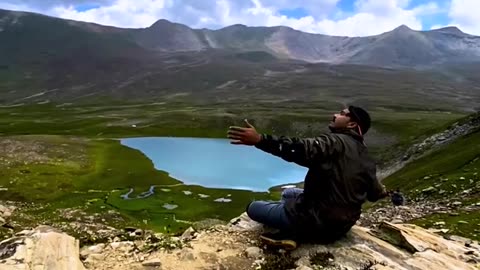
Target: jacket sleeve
302	151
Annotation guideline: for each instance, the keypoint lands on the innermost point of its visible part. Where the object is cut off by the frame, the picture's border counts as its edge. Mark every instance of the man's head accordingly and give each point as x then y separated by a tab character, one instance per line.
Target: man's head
352	117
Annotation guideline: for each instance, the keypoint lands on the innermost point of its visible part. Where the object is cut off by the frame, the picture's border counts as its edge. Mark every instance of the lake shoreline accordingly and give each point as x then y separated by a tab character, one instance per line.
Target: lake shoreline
215	163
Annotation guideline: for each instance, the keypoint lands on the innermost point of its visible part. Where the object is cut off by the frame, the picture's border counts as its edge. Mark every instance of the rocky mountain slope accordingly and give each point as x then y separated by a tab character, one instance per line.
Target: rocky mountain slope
401	47
470	125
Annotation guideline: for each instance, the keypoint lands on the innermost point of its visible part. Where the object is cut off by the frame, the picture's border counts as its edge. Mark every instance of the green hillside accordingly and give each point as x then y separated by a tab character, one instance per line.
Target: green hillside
457	162
448	176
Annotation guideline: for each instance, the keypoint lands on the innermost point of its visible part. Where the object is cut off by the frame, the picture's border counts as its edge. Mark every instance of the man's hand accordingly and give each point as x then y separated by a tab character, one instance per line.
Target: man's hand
385	193
244	135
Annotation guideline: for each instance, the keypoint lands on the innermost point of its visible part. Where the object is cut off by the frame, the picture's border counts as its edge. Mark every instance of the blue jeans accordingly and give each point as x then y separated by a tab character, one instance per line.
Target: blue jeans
273	214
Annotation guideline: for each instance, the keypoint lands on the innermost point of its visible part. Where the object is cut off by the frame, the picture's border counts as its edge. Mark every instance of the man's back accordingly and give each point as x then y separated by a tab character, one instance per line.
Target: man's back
341	177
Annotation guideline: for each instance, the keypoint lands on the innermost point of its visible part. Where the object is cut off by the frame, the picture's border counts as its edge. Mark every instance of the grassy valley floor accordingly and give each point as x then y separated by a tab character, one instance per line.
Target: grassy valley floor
393	129
85	178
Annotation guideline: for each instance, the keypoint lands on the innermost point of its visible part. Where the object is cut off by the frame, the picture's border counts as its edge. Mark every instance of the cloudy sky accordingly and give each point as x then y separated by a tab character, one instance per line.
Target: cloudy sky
334	17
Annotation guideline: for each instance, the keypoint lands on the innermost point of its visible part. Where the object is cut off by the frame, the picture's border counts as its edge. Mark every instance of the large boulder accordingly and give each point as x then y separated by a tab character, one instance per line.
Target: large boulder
40	249
390	246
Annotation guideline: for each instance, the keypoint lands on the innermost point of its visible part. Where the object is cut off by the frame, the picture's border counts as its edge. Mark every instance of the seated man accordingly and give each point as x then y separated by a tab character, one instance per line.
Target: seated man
341	177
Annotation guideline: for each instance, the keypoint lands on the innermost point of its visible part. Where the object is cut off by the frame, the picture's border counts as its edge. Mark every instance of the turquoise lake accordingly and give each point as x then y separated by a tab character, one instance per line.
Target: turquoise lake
215	163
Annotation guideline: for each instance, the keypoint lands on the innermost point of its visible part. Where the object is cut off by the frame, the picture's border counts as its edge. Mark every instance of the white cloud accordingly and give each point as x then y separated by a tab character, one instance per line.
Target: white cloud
465	15
385	7
121	13
19	7
436	26
369	17
377	16
373	17
317	9
45	4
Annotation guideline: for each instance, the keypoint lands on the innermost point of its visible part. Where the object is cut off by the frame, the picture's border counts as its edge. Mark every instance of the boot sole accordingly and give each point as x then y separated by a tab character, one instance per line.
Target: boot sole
285	244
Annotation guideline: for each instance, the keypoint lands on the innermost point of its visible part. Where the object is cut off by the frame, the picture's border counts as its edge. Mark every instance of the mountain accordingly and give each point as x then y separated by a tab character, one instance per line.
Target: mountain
401	47
166	36
46	59
405	47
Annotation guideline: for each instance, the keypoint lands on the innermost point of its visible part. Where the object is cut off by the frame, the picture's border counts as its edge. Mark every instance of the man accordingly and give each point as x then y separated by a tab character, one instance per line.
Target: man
341	177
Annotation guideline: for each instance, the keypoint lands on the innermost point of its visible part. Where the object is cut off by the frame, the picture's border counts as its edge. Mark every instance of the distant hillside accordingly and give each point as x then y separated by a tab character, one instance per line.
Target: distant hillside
27	38
452	154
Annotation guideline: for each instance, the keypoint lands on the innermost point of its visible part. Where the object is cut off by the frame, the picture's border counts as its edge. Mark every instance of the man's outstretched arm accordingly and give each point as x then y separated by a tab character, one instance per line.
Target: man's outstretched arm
298	150
377	191
302	151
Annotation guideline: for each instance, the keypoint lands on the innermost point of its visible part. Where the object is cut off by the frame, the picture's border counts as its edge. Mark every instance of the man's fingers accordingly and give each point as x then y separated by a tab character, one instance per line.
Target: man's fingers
236	133
233	137
248	124
236	142
234	128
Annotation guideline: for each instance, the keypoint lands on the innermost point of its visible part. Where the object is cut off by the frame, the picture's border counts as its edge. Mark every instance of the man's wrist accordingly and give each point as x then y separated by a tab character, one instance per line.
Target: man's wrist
261	140
385	192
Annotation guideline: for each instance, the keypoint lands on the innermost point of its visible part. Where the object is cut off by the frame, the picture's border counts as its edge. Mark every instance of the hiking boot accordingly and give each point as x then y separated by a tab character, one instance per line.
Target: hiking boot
279	240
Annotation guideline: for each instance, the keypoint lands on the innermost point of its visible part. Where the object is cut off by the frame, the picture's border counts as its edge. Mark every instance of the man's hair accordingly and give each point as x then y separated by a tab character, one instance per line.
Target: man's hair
360	116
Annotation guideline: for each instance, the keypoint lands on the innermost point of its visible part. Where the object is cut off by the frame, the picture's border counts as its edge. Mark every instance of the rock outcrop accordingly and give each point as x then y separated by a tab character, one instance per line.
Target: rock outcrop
450	134
236	245
43	248
389	246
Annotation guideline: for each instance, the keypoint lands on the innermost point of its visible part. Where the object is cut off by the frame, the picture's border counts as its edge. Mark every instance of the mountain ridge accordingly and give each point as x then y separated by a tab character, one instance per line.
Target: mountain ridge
399	48
233	25
39	53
